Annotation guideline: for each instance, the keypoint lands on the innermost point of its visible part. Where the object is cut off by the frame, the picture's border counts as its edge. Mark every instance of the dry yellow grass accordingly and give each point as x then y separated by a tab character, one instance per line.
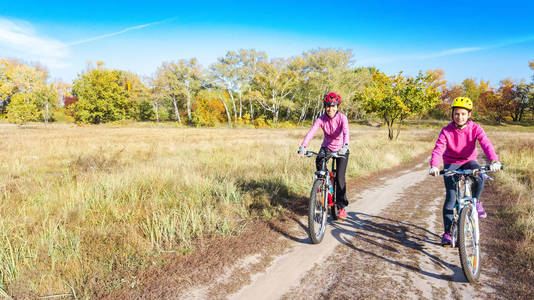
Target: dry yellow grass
516	185
83	208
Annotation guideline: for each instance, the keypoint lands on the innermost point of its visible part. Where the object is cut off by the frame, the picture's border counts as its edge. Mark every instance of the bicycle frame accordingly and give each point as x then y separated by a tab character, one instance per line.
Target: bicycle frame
464	199
330	179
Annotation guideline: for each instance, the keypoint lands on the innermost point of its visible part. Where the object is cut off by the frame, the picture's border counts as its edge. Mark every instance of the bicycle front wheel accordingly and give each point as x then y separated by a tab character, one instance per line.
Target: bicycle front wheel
317	211
469	246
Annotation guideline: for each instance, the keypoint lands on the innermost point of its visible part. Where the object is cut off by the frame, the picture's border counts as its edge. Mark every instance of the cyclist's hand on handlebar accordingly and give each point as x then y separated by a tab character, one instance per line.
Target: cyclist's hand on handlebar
302	151
495	166
343	149
433	171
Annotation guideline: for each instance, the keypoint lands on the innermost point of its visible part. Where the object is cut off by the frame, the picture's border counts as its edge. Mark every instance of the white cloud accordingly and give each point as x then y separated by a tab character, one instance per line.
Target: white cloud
20	40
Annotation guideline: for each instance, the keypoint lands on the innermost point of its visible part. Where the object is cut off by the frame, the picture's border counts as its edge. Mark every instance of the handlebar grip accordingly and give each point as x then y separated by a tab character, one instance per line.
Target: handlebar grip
441	172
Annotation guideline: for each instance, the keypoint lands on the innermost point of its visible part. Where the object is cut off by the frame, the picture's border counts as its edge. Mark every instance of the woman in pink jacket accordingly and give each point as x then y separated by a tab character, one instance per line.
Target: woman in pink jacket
456	144
335	126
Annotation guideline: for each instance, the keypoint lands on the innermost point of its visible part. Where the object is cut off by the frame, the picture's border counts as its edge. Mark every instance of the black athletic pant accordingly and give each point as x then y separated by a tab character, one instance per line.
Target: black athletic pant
341	198
450	190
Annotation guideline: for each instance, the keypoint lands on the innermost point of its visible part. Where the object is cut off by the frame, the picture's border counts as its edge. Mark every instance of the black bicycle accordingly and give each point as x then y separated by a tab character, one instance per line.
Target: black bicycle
322	198
465	233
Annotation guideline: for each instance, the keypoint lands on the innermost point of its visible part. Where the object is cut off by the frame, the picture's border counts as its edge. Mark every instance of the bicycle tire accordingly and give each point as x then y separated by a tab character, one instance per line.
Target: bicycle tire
468	248
317	212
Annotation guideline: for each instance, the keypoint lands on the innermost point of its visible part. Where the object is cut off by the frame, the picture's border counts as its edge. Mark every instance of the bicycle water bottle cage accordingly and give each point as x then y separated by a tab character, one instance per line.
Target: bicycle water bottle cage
321	174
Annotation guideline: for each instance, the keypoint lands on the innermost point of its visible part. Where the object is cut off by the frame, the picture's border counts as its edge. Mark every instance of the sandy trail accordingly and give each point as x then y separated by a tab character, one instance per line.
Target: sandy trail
387	247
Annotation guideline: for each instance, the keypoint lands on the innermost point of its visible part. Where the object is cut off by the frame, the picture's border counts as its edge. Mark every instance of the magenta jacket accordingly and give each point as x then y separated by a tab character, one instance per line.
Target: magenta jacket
458	146
336	131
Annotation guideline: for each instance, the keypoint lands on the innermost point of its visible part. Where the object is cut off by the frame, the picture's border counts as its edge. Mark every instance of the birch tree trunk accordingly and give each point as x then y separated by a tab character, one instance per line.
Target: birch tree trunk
176	112
188	108
156	109
227	112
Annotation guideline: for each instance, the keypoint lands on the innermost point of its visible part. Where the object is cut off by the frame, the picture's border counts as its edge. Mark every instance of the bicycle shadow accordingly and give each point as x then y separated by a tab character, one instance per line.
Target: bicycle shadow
391	235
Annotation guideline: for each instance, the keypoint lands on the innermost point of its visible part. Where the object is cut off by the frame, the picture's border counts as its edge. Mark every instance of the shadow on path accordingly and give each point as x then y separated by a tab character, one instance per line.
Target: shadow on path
391	236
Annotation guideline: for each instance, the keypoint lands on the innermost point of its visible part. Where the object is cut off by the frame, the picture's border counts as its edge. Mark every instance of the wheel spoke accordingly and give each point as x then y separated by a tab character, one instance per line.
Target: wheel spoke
469	249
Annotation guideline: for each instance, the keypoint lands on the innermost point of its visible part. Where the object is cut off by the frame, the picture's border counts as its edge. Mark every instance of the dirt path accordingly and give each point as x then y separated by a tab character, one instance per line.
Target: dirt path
387	247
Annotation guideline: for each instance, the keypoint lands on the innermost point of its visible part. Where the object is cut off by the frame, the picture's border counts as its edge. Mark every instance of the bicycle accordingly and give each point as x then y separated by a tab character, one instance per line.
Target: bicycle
322	197
465	226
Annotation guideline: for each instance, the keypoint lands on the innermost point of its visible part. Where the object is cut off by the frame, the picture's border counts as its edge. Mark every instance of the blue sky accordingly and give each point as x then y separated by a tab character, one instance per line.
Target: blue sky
476	39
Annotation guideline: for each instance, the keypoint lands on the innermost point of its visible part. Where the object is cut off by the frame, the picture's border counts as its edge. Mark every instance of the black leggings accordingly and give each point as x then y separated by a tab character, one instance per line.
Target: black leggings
341	188
450	191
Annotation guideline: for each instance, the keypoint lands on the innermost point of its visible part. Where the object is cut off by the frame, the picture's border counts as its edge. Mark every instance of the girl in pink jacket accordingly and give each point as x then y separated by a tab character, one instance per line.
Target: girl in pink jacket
456	144
335	126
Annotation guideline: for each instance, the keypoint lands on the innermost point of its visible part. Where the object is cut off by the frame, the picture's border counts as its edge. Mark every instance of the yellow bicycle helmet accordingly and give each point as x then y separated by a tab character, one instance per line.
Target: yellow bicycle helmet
462	102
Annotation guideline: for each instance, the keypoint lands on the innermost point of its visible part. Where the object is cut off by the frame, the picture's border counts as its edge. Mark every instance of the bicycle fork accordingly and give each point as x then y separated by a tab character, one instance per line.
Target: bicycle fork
474	217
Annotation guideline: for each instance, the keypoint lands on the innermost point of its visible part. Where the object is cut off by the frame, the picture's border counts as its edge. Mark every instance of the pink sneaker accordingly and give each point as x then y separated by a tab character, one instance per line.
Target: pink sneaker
446	240
341	214
481	212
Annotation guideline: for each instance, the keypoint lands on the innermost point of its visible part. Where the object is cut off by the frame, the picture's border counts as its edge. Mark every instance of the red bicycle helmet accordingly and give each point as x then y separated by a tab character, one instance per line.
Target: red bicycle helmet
331	99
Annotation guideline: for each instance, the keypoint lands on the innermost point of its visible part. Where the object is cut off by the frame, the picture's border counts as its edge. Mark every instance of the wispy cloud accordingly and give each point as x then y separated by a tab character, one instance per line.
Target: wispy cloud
448	52
19	39
107	35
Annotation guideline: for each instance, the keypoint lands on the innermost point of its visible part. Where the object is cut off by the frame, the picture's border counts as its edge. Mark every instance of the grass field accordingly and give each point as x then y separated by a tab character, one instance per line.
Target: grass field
515	186
82	209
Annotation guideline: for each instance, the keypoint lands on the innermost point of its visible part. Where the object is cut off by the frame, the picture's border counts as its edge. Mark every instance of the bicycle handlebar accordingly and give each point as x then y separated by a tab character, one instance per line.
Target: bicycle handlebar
481	170
332	154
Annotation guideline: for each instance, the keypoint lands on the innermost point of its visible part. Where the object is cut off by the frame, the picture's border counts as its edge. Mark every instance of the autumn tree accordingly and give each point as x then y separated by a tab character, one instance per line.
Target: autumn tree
472	90
275	82
250	61
179	81
6	84
225	74
395	98
101	96
442	110
138	96
492	106
320	71
45	100
497	105
208	110
522	100
167	87
16	77
22	108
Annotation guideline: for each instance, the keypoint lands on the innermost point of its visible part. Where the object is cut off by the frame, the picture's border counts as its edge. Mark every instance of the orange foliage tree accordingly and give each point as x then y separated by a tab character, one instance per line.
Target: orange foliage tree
208	110
497	105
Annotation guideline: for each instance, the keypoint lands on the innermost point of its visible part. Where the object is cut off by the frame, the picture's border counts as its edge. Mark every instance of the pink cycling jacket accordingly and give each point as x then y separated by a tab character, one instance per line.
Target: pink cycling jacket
336	131
458	146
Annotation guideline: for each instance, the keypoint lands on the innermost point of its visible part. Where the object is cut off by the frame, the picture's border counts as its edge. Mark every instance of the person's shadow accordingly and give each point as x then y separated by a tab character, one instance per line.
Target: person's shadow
379	232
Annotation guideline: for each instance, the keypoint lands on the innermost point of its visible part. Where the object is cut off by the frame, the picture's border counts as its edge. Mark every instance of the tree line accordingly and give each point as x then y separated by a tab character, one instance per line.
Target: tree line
246	87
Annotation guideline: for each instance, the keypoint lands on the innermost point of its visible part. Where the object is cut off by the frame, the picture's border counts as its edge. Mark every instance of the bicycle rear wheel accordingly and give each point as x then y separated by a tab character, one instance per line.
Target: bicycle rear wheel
469	247
317	211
